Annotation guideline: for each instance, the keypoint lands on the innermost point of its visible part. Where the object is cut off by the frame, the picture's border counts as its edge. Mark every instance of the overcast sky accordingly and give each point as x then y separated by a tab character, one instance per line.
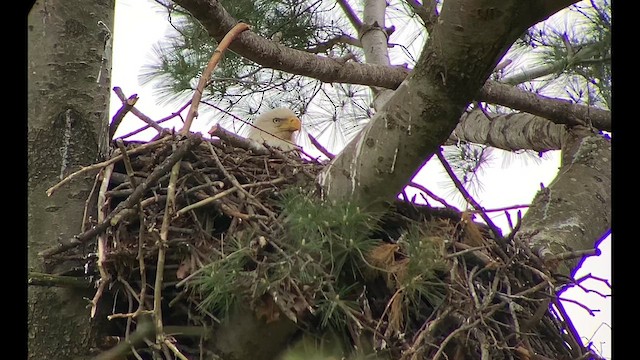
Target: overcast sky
139	24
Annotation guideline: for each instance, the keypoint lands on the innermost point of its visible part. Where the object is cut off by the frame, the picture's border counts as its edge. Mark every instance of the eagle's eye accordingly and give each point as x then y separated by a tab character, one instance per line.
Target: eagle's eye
277	120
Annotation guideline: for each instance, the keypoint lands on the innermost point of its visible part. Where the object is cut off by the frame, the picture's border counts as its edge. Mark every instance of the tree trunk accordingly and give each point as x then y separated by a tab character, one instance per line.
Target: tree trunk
460	54
68	93
574	211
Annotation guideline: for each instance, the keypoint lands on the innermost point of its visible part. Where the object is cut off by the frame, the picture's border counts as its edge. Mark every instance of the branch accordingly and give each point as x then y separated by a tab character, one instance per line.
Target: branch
217	21
42	279
342	39
215	58
127	105
133	110
559	111
351	15
510	132
129	202
574	212
215	18
480	210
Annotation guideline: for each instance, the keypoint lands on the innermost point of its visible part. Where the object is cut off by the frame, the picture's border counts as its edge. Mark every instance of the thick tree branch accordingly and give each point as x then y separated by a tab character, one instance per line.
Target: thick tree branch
560	111
510	132
217	21
269	54
427	106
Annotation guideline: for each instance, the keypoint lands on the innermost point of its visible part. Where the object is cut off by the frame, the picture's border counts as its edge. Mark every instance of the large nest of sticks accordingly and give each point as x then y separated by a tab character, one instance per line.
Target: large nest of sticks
232	227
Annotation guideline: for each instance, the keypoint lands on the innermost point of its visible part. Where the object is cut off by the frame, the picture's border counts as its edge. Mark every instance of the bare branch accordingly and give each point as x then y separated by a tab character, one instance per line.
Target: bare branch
348	10
342	39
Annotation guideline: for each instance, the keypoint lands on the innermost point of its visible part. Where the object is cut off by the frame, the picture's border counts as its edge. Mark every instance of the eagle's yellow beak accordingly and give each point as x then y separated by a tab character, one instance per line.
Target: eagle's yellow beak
291	124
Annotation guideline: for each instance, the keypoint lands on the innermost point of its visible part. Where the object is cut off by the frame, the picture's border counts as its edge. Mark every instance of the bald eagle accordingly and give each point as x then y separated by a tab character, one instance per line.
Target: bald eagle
275	128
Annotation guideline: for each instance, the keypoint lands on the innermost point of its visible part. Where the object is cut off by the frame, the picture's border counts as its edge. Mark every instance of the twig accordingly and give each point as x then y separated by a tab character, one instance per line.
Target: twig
137	194
577	254
169	209
88	202
501	208
238	141
134	111
148	120
351	15
235	182
102	205
432	195
100	165
42	279
321	148
127	105
142	228
494	229
175	350
215	58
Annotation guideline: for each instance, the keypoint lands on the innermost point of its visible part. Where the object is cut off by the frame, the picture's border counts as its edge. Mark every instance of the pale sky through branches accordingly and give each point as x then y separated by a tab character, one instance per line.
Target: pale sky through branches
140	24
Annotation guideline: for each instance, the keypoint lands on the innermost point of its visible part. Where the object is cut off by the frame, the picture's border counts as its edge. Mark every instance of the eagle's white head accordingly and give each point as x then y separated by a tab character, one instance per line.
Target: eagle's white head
275	128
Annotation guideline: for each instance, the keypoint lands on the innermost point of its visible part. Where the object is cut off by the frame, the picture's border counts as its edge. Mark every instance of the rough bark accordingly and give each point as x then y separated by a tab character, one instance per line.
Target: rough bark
461	52
511	132
68	92
574	211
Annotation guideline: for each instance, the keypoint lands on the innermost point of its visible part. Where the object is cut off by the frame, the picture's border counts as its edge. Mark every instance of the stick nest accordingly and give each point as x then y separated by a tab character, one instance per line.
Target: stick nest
415	282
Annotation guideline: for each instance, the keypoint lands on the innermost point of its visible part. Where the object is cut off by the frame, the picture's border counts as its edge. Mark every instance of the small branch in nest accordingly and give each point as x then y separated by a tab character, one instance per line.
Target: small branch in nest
215	58
127	105
102	240
175	350
501	208
42	279
321	148
149	121
577	254
432	195
473	251
137	194
100	165
238	141
142	229
164	237
143	331
235	182
469	198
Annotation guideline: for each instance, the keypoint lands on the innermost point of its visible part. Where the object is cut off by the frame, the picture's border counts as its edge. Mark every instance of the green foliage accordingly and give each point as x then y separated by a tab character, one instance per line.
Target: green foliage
222	282
338	235
425	263
180	59
571	52
336	310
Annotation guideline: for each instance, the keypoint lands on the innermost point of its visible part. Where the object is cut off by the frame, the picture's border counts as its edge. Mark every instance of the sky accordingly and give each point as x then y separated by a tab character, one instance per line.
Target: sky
139	24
